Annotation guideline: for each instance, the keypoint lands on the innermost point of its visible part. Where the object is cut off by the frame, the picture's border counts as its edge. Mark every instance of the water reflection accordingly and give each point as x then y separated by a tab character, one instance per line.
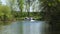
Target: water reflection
24	27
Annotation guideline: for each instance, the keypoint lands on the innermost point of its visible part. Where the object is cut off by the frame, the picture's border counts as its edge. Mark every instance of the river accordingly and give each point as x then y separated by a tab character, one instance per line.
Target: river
25	27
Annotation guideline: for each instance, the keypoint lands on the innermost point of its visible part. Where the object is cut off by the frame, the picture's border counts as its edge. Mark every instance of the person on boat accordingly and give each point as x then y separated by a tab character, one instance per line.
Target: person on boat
29	18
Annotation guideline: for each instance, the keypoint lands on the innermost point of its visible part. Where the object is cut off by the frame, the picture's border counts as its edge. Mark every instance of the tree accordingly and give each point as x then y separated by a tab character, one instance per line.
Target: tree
20	4
10	3
5	13
52	13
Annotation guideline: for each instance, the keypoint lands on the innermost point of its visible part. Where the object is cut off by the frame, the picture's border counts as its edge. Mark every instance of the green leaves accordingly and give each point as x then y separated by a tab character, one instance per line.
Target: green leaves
52	4
49	4
21	2
5	10
59	0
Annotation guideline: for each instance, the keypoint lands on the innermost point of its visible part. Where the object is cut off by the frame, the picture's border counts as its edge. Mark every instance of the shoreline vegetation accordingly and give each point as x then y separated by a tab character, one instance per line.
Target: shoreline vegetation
15	19
6	19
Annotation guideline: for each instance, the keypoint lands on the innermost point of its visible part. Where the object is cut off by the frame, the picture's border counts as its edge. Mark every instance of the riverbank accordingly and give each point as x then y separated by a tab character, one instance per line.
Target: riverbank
8	21
22	18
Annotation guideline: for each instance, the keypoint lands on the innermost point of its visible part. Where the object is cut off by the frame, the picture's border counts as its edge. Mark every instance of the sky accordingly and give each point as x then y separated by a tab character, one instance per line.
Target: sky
3	2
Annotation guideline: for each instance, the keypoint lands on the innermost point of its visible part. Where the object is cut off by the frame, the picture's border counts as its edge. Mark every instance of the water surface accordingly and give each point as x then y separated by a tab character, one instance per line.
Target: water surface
25	27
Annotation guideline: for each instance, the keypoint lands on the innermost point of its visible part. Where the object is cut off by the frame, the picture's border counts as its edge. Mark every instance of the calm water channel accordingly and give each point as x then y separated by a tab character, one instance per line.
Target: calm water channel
25	27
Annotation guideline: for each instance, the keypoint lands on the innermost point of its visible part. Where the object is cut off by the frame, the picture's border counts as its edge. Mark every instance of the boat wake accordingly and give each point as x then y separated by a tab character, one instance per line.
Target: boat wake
32	20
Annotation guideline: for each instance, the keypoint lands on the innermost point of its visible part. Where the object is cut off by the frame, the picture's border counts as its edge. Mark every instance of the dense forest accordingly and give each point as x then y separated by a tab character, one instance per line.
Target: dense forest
42	9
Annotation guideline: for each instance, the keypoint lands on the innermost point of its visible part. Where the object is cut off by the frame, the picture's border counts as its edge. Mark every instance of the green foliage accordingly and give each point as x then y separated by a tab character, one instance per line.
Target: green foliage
20	4
5	12
51	13
51	7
